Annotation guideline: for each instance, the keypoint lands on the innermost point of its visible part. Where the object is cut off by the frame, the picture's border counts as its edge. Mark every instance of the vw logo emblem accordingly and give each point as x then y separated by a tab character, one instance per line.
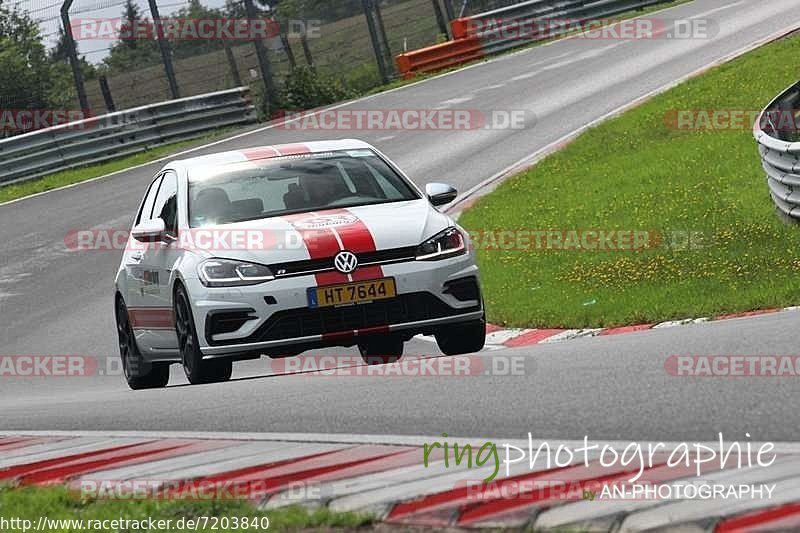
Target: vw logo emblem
345	262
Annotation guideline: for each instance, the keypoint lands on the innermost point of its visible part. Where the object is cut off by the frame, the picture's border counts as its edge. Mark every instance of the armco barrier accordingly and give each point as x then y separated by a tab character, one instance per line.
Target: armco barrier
509	27
439	56
105	137
777	136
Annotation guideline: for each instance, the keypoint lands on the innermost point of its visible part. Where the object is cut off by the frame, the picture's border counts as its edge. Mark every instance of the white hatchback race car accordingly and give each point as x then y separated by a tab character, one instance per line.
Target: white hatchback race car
280	249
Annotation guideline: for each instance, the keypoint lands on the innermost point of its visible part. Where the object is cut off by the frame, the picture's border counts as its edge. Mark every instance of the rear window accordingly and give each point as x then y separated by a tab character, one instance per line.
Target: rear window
293	184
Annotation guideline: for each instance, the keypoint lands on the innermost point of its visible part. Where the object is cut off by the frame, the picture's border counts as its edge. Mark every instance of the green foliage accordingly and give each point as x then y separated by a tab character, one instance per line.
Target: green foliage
327	10
362	78
307	89
32	78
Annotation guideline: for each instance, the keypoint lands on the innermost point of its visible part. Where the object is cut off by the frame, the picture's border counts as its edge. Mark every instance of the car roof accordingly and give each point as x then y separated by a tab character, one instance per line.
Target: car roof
277	150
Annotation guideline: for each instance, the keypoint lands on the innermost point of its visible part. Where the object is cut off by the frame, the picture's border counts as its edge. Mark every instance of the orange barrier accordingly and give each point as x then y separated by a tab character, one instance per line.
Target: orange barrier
439	56
460	27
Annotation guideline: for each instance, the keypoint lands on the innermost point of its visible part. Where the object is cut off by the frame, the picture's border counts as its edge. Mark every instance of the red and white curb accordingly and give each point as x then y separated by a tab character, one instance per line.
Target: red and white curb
498	337
386	476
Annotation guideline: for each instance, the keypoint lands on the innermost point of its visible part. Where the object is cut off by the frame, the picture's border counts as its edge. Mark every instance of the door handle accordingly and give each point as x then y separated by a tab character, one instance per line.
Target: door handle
136	256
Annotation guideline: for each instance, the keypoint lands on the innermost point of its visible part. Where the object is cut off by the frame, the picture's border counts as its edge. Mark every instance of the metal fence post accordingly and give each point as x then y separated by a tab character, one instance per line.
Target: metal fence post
73	56
287	47
444	28
106	94
270	95
376	45
166	50
237	79
306	49
384	40
448	8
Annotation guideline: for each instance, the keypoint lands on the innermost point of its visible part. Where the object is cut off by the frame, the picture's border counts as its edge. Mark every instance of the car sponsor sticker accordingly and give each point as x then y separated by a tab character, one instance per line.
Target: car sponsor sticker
325	221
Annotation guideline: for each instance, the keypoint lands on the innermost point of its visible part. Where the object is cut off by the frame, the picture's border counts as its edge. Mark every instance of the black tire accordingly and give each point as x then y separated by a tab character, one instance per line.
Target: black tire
467	337
381	350
197	370
138	373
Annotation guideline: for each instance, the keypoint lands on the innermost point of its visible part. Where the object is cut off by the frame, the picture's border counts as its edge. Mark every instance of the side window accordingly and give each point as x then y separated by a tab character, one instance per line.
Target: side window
165	206
147	205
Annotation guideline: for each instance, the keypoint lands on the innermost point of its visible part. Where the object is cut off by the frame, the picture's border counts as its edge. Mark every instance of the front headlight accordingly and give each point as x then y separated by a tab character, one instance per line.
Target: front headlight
230	273
446	244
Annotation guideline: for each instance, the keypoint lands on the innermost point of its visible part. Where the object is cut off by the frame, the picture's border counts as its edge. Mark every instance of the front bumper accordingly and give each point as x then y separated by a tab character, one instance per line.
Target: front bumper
279	321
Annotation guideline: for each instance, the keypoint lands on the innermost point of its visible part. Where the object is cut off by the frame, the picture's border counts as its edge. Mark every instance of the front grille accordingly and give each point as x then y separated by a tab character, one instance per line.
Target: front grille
305	322
307	266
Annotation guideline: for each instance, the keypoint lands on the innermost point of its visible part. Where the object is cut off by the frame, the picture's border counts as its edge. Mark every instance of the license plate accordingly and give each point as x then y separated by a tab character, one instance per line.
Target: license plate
351	293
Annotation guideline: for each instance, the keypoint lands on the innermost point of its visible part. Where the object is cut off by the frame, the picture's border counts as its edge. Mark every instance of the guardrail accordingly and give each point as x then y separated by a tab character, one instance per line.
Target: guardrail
122	133
509	27
779	145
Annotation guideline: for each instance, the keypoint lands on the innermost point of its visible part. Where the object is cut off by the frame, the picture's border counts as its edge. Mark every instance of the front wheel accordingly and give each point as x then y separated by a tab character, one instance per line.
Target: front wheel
138	373
197	369
468	337
381	350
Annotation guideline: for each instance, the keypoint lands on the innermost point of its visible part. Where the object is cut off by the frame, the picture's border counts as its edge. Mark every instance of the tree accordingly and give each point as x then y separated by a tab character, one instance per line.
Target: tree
327	10
23	62
192	47
130	14
59	53
130	53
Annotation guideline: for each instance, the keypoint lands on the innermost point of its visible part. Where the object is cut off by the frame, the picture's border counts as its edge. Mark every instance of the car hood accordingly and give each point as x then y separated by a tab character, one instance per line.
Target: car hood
317	234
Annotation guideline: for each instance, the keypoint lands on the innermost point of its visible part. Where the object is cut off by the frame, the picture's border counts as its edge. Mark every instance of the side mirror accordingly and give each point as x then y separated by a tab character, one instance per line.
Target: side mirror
440	193
150	231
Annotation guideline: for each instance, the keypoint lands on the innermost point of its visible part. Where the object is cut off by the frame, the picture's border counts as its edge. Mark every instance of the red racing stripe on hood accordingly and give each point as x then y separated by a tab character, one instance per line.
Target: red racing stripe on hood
321	243
260	152
292	149
357	238
279	150
327	241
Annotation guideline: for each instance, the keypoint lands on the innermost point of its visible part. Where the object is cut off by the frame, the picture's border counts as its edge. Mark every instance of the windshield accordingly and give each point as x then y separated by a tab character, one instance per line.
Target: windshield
293	184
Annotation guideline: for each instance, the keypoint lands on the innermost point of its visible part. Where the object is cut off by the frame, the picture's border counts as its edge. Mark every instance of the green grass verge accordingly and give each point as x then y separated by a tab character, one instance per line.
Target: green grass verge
77	175
57	503
635	172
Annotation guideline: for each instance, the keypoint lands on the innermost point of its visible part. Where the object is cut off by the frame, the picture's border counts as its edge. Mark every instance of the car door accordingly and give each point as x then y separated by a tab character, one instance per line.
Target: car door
134	253
157	262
